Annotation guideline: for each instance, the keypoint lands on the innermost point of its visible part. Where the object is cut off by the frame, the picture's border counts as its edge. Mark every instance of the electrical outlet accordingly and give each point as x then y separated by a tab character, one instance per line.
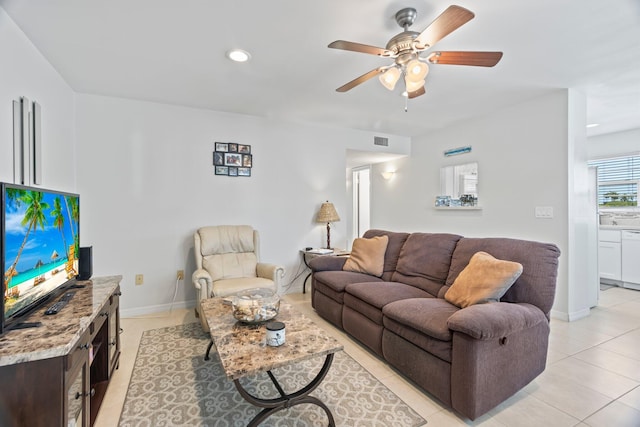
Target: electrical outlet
180	275
139	279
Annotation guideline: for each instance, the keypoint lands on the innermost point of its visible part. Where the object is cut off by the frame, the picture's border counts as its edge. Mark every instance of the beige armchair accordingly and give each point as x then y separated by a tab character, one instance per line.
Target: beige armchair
228	261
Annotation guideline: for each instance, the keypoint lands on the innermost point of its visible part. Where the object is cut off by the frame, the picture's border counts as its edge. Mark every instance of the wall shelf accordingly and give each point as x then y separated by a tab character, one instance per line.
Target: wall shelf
458	208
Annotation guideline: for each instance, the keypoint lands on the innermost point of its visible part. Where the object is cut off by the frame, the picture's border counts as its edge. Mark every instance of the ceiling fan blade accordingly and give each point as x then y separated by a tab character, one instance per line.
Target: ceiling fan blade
450	20
359	47
359	80
416	93
479	59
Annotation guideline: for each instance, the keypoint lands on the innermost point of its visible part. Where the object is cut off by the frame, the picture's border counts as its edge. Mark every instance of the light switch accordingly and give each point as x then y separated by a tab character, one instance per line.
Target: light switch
544	212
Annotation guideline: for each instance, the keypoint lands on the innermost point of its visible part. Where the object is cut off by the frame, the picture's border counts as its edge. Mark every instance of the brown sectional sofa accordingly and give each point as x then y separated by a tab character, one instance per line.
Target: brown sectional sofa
471	359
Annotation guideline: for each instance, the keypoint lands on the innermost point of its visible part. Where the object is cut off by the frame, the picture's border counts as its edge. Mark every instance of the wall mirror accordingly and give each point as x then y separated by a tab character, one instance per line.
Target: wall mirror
460	184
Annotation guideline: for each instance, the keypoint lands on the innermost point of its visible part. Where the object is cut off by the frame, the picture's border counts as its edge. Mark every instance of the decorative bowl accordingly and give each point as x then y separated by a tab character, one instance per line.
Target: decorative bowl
255	305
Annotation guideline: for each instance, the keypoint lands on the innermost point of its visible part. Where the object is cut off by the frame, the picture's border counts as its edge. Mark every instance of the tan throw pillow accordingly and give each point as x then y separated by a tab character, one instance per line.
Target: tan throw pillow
484	279
367	255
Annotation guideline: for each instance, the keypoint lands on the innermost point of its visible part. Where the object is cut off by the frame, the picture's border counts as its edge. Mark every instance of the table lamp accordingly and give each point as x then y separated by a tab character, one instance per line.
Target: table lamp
327	214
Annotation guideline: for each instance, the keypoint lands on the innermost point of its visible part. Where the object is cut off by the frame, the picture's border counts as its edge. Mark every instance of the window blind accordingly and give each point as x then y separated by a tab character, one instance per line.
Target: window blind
618	181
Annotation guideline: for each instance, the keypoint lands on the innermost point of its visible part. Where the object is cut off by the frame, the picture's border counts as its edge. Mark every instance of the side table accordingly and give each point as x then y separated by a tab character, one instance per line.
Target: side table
308	255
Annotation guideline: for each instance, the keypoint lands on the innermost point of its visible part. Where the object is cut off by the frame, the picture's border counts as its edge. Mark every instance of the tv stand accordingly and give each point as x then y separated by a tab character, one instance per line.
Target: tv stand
56	375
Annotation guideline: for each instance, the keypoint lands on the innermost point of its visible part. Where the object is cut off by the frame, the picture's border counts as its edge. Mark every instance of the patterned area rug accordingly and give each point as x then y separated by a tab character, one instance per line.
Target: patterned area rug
172	385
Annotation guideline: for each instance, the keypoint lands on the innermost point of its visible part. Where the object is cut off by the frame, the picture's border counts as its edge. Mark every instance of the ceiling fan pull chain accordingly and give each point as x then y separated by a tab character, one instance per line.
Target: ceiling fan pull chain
406	103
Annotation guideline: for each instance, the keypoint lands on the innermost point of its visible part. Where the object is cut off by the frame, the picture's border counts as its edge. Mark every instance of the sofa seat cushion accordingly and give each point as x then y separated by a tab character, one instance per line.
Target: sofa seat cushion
423	322
368	298
333	283
426	315
437	348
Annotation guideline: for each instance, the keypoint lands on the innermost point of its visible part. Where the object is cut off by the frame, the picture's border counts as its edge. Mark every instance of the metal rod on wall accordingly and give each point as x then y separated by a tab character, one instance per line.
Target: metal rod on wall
18	177
37	143
27	142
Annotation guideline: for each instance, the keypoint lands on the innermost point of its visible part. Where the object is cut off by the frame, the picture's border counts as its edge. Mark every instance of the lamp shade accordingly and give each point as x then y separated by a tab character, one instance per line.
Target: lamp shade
327	213
416	71
413	86
390	77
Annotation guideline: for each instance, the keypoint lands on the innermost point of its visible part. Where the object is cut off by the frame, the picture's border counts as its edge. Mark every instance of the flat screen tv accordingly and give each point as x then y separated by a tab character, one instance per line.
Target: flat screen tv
39	231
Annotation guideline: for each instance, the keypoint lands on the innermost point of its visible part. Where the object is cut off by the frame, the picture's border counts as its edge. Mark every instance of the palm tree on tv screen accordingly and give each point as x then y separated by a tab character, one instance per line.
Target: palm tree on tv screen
71	204
58	221
33	216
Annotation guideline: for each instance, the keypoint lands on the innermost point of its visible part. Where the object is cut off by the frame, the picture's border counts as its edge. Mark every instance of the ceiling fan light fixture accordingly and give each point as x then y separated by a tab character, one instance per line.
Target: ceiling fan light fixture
416	70
390	77
412	86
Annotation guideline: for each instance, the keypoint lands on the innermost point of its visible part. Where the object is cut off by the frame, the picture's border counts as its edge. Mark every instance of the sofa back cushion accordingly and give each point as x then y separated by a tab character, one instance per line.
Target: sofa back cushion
537	283
396	240
424	260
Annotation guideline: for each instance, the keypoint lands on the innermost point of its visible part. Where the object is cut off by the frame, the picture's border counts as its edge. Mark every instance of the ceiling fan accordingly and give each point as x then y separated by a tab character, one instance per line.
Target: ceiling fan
405	48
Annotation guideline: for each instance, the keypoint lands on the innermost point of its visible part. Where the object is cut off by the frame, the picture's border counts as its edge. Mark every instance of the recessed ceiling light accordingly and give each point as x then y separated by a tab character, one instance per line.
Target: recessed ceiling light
238	55
592	125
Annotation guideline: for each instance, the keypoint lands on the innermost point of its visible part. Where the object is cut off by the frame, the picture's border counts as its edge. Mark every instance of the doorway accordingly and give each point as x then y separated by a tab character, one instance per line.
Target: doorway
361	200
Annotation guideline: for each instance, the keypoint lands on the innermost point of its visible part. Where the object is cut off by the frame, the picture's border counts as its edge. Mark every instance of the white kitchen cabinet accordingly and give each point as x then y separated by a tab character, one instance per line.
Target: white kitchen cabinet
610	255
631	258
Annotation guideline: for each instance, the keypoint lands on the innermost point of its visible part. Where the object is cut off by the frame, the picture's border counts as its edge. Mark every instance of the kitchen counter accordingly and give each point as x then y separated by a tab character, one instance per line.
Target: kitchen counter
620	227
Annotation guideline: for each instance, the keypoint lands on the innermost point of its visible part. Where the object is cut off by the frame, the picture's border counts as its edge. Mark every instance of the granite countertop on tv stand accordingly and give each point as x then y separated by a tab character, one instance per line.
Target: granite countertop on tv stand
59	333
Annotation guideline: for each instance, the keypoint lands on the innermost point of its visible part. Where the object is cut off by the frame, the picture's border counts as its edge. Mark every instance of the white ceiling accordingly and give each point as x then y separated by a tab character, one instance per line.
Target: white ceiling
174	52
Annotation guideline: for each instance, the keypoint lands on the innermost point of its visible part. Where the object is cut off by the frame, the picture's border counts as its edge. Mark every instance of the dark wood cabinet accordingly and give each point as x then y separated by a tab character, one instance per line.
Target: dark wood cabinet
65	390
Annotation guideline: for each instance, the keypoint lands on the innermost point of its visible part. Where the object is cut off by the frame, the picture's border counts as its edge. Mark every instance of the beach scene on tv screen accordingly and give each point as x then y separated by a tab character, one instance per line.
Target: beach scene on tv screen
41	245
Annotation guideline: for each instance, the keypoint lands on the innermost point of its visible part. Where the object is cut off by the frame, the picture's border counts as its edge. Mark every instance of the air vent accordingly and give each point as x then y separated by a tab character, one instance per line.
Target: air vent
379	140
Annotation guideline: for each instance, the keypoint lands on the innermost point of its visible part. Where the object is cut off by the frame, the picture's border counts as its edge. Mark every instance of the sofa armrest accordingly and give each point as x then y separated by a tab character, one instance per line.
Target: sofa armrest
495	320
203	283
270	271
327	263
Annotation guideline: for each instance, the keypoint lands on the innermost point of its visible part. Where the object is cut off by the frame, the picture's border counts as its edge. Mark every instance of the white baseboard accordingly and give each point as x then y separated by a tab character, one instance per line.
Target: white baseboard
570	317
152	309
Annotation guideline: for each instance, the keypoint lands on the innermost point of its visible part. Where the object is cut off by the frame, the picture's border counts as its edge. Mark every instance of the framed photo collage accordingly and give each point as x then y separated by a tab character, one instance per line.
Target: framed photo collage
232	159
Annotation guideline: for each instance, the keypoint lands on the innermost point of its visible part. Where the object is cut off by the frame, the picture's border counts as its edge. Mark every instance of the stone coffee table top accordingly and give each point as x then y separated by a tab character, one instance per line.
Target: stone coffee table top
243	350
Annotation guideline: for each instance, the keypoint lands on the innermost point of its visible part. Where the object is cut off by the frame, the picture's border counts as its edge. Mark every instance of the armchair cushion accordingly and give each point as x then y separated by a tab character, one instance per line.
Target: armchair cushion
228	251
230	265
367	256
484	279
226	239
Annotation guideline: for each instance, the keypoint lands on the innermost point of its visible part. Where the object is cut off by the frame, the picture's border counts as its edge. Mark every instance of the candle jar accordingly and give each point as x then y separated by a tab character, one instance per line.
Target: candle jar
275	334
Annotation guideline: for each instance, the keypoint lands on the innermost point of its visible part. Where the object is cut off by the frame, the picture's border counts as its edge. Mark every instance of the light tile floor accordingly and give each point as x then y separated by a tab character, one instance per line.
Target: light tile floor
592	376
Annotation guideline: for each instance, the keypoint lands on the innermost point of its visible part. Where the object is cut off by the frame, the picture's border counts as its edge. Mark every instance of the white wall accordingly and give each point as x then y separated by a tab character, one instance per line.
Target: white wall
522	154
614	144
25	72
582	250
146	181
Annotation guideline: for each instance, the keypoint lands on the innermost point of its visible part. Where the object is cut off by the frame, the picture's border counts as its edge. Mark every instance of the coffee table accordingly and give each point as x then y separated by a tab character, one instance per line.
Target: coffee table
243	352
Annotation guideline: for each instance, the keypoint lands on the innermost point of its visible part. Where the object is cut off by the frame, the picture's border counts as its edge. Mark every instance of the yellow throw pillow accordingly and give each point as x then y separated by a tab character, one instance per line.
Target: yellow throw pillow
484	279
367	255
